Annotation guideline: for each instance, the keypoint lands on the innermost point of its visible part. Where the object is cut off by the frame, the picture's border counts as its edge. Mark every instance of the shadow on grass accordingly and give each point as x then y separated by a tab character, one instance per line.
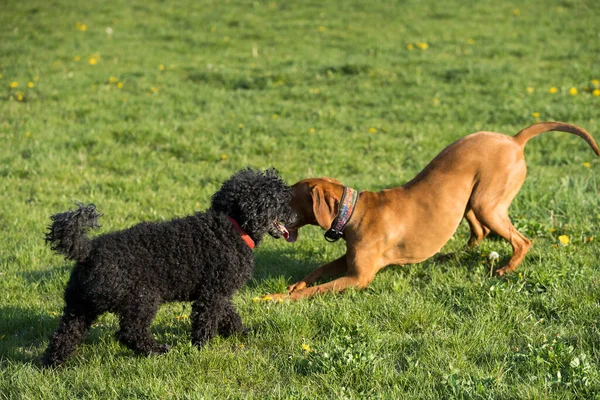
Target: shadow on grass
288	263
48	274
24	332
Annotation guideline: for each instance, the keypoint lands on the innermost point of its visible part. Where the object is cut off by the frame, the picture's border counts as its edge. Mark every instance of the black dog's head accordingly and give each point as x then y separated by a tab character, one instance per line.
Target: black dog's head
258	201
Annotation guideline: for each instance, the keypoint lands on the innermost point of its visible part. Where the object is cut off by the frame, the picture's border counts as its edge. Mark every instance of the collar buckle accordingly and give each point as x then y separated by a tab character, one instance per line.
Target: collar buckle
332	235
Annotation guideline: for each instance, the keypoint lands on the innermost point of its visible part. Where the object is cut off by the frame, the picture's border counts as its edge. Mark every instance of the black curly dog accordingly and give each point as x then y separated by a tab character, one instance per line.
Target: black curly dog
204	258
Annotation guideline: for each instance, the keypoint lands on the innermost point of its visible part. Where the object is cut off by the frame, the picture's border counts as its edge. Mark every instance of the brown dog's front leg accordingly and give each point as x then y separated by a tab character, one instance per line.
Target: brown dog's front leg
336	267
361	271
337	285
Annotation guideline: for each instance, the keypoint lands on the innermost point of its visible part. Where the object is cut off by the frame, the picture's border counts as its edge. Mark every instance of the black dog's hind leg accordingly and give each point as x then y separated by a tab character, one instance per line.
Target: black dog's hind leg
135	332
230	322
72	329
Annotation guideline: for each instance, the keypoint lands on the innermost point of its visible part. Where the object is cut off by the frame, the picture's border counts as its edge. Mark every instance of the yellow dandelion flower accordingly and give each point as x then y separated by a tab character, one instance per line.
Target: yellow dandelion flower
77	58
530	89
19	96
595	82
587	164
120	85
113	79
311	131
516	12
93	60
154	89
240	126
372	130
596	92
552	90
14	85
30	84
470	41
591	239
535	115
551	230
267	298
422	45
161	67
321	28
223	156
564	240
436	101
573	91
274	116
306	347
410	46
81	27
256	299
27	134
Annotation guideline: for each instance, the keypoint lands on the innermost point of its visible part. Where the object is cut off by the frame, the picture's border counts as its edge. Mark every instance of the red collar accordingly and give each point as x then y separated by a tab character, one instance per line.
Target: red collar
245	237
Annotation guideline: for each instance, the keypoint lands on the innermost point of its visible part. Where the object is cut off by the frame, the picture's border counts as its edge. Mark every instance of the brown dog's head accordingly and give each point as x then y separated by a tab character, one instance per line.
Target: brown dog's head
315	202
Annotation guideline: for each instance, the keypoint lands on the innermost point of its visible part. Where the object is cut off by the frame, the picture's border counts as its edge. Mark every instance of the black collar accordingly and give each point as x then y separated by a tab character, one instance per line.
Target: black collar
345	212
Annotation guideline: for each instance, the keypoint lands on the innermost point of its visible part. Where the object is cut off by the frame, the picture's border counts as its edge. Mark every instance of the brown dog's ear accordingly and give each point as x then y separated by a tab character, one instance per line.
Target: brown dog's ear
325	206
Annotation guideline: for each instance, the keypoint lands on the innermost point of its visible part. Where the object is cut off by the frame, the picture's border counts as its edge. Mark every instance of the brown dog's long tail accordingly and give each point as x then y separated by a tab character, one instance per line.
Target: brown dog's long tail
523	136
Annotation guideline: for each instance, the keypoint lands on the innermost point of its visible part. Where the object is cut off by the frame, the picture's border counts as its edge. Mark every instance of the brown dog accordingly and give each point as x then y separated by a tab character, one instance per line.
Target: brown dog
476	177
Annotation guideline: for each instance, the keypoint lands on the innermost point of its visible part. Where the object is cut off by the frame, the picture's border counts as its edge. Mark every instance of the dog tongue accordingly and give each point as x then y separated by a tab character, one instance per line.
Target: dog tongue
292	236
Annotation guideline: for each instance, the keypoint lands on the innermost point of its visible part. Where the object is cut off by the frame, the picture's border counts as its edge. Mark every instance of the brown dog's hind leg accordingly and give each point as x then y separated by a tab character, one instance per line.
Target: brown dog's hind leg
478	230
499	223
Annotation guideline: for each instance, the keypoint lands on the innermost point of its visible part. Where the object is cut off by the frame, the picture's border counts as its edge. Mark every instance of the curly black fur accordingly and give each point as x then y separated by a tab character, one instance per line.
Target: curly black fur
199	258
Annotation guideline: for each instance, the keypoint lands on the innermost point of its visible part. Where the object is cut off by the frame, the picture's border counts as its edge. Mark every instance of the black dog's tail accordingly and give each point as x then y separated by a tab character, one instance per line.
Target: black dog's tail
68	233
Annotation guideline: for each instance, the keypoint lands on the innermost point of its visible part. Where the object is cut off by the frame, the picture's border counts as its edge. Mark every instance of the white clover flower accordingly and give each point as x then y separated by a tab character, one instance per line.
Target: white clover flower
108	30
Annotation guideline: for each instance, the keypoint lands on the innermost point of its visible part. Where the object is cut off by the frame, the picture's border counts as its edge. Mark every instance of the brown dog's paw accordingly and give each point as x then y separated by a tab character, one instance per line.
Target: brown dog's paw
276	297
503	271
296	286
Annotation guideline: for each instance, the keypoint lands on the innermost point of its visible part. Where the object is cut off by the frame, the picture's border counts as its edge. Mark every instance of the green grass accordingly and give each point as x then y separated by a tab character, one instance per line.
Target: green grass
244	84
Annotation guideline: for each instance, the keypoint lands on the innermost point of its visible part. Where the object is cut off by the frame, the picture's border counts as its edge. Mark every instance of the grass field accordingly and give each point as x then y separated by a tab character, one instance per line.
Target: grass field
144	108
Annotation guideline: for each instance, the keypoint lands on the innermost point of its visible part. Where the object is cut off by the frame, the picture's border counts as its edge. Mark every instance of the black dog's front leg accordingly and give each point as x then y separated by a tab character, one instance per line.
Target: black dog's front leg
206	314
230	322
